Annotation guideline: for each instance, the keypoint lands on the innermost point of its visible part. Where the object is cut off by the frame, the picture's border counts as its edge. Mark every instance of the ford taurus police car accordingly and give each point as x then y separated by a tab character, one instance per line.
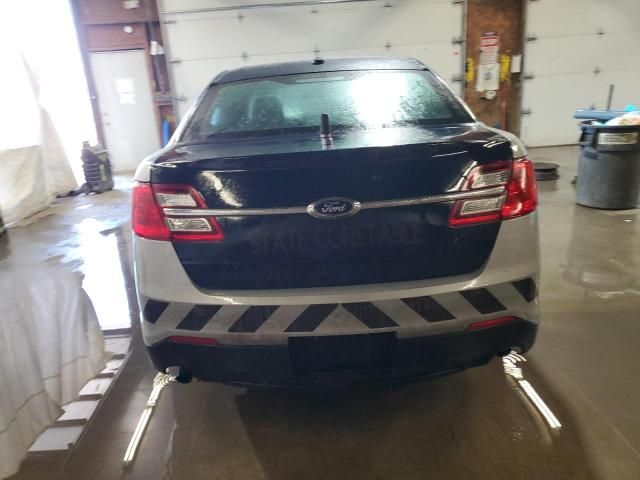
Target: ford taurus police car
334	221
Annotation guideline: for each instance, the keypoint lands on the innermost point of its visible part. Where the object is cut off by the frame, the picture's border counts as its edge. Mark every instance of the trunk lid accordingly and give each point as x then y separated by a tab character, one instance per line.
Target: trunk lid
378	245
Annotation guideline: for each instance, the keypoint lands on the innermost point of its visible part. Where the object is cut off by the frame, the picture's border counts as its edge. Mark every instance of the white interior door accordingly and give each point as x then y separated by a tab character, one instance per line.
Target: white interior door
575	50
205	37
126	106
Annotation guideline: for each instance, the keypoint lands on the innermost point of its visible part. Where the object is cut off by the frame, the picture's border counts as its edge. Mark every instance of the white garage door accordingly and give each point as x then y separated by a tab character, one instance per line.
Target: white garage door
205	37
574	50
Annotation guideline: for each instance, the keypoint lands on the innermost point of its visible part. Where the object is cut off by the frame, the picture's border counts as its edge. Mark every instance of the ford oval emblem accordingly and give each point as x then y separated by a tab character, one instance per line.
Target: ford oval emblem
334	207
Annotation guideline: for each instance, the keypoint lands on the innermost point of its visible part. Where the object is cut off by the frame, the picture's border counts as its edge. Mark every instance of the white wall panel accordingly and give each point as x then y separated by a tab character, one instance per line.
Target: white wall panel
203	43
581	47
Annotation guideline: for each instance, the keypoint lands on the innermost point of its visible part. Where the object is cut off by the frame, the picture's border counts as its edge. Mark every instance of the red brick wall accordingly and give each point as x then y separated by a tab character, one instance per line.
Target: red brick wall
506	17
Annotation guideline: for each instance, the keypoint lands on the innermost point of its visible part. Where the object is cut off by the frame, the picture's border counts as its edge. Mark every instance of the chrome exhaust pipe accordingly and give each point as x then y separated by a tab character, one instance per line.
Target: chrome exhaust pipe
180	374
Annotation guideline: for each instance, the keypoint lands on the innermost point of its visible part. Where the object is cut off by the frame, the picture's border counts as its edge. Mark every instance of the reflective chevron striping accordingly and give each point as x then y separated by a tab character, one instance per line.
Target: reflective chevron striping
369	314
483	300
527	288
341	318
253	318
153	309
198	317
429	309
313	315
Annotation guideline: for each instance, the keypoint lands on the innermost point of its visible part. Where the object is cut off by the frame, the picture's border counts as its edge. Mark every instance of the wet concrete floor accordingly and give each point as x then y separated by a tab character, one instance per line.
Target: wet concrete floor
473	425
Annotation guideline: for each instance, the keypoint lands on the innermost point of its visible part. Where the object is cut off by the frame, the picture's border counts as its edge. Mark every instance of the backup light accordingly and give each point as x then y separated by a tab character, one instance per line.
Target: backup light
149	220
188	224
175	200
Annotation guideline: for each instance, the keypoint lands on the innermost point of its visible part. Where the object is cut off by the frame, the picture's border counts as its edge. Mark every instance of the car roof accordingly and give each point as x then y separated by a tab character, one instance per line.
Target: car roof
318	66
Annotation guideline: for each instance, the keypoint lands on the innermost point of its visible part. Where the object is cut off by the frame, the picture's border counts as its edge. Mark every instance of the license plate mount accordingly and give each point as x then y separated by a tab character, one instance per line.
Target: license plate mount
342	352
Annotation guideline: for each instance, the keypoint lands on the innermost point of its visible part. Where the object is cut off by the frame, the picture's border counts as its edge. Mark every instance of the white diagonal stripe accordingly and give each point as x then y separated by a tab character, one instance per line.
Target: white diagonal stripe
281	319
401	313
173	315
341	321
508	296
457	305
224	318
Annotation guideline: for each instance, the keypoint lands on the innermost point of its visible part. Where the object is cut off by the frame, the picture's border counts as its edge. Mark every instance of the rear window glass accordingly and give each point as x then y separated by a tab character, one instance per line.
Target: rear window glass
353	100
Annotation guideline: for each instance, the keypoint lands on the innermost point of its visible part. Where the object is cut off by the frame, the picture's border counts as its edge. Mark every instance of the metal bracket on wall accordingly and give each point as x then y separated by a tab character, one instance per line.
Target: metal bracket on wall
175	60
458	77
526	111
457	2
181	98
531	37
528	76
457	41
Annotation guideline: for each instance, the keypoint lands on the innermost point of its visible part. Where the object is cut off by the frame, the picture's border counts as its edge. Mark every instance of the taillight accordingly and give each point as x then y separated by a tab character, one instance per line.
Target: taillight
522	193
149	219
517	198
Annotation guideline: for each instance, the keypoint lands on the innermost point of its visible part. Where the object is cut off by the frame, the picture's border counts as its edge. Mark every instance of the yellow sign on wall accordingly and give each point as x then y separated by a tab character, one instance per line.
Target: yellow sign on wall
470	70
505	68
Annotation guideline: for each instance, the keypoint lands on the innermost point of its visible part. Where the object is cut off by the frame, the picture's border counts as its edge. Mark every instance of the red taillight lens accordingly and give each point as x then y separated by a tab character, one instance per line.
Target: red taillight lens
147	220
518	198
522	193
157	214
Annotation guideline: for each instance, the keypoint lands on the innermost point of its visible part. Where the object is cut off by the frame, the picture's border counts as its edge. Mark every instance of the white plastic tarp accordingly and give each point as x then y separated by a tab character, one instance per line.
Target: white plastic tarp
46	113
50	346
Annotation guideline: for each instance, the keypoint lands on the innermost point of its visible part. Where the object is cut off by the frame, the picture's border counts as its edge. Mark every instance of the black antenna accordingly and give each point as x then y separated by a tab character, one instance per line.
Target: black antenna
325	131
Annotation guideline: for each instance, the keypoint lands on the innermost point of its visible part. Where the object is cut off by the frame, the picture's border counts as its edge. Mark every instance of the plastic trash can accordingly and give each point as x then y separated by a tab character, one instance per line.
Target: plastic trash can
609	166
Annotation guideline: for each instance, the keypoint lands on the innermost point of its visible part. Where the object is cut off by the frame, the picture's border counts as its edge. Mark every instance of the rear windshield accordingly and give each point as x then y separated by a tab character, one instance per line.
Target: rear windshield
353	100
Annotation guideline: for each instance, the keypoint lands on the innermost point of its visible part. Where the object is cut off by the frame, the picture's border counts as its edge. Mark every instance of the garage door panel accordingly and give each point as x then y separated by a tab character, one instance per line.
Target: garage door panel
200	40
549	55
553	101
195	75
295	29
555	92
272	30
627	87
576	17
581	47
419	21
550	128
169	6
201	44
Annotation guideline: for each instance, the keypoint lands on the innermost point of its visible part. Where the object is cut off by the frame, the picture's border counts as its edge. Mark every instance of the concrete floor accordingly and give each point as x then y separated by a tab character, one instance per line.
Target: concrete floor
472	425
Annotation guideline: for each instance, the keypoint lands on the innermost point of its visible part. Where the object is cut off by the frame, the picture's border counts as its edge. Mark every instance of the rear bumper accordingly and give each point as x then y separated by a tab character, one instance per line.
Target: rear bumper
410	358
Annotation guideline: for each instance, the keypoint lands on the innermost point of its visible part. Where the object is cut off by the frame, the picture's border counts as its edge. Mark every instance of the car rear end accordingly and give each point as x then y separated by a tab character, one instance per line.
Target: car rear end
404	246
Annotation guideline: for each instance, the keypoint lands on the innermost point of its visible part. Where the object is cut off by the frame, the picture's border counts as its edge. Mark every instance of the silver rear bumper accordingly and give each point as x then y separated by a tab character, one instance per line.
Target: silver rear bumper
172	305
